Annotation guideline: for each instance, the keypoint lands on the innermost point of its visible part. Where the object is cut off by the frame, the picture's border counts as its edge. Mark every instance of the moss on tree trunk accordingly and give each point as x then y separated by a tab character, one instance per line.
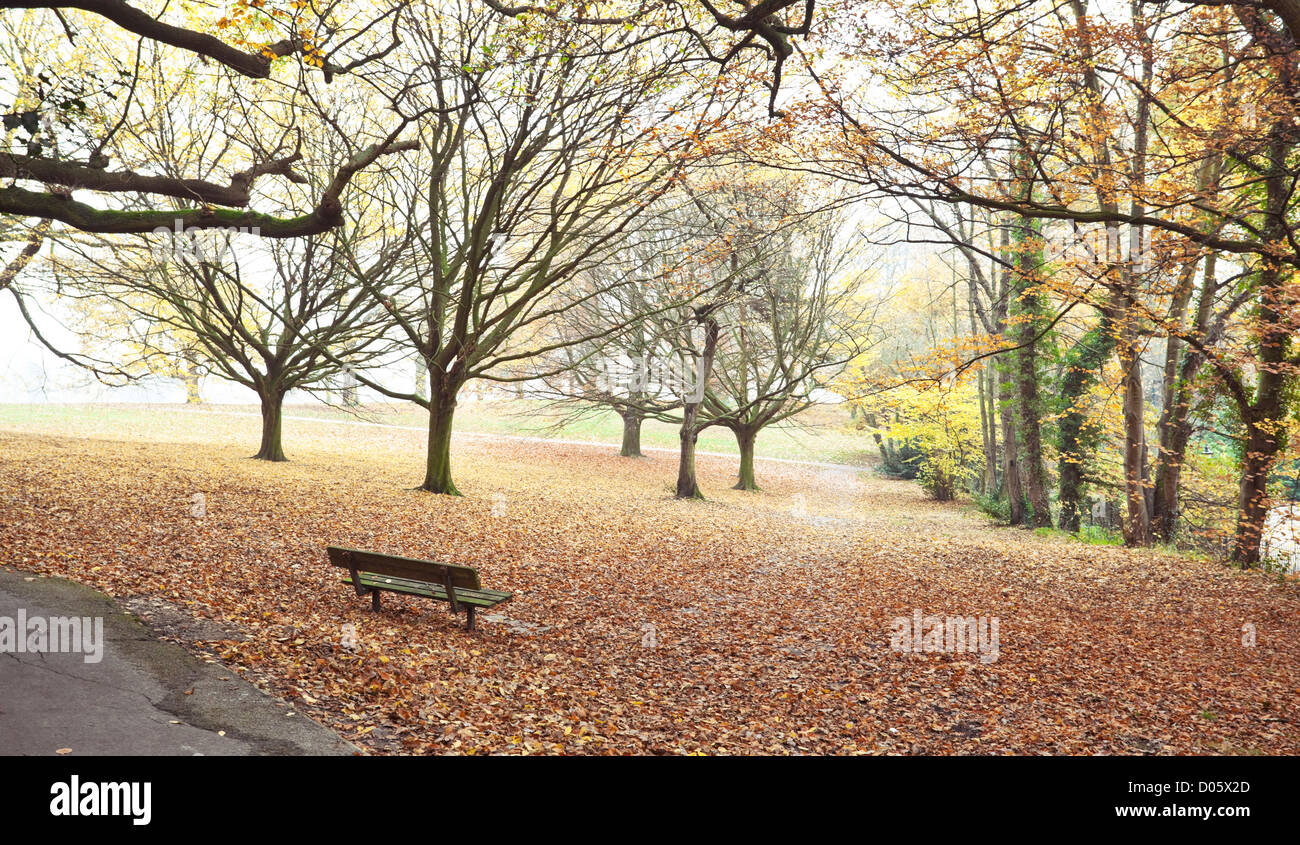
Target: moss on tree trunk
1075	441
437	473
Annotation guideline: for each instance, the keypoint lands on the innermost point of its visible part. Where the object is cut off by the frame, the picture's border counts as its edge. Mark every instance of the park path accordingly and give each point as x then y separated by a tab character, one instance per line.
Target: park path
142	697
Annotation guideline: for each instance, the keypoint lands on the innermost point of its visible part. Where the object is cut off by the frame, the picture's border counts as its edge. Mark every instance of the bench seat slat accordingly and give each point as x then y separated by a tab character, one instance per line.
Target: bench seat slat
478	598
392	580
462	577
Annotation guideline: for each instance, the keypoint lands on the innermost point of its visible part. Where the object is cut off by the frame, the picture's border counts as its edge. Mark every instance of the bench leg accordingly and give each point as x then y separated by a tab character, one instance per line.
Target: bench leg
374	600
469	616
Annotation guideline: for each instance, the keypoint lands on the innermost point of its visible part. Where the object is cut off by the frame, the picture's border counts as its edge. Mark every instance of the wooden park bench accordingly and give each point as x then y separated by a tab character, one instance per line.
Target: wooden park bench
373	573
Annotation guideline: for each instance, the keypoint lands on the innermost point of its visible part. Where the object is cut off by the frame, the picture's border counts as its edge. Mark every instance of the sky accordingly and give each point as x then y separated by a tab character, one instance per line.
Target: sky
31	373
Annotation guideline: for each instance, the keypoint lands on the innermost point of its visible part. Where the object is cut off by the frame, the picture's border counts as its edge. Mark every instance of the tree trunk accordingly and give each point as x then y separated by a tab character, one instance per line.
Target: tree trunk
870	420
988	436
745	439
1031	450
1075	442
1265	422
1011	454
1264	419
1137	521
191	376
1181	365
1137	518
1252	494
1070	516
631	434
687	487
988	481
1182	362
1028	306
1169	471
437	473
1001	378
272	416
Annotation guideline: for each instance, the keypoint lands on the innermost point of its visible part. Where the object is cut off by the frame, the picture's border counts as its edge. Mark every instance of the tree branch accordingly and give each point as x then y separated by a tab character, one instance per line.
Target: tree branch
327	214
255	64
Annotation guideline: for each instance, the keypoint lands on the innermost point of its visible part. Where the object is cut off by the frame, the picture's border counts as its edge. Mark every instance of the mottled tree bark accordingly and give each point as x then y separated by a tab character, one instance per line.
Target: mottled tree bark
687	486
442	410
272	419
746	437
631	434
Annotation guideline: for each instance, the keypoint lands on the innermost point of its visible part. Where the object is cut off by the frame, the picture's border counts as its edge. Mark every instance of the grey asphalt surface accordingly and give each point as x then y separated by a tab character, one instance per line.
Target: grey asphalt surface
134	701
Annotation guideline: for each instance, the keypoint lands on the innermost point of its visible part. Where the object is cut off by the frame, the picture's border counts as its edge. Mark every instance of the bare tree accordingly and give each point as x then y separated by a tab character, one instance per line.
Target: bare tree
271	315
621	331
794	329
541	153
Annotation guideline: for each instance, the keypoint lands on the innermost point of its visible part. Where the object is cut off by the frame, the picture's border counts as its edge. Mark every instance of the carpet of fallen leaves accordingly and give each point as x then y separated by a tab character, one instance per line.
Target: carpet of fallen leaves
748	623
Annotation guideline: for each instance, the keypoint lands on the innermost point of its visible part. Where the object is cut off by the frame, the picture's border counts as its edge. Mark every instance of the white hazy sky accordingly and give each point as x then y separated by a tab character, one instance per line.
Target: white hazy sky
31	373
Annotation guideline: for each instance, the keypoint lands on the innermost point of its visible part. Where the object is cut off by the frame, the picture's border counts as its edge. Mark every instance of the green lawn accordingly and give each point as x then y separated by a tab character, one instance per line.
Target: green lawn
819	434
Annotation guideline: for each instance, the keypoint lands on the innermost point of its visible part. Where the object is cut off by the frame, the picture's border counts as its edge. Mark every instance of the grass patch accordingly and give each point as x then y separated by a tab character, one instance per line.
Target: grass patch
998	508
1099	535
820	434
1092	535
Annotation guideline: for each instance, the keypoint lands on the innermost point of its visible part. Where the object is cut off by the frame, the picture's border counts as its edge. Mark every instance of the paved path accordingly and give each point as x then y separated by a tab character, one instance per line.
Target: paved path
134	701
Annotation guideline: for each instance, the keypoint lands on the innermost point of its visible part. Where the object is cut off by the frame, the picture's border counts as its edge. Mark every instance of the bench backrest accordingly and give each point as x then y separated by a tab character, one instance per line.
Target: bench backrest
462	577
